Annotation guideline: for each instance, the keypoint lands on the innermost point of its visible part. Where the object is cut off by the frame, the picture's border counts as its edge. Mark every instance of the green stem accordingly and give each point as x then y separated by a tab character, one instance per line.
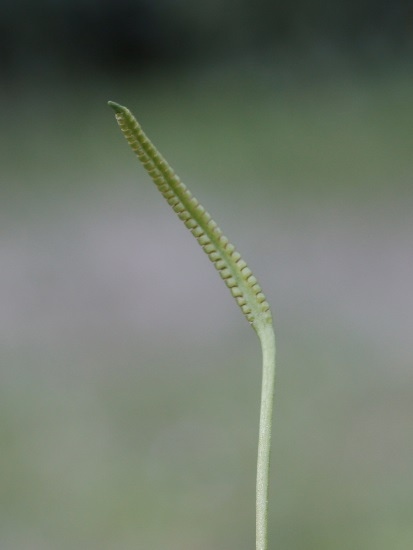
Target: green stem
236	275
266	335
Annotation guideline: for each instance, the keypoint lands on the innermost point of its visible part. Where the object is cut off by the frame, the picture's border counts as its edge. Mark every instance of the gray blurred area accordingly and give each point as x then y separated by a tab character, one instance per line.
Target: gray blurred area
130	381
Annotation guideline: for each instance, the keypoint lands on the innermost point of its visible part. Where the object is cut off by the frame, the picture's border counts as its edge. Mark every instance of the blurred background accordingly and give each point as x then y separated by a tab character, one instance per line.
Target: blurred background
130	381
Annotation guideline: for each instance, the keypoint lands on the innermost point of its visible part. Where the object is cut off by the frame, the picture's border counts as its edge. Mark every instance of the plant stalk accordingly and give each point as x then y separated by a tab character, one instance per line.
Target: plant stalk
266	335
237	276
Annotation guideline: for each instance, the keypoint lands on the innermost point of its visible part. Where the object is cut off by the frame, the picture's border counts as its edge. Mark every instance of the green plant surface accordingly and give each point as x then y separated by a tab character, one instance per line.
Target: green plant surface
237	276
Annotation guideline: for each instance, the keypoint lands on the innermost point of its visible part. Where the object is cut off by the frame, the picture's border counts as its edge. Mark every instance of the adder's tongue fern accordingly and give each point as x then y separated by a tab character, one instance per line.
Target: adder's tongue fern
236	275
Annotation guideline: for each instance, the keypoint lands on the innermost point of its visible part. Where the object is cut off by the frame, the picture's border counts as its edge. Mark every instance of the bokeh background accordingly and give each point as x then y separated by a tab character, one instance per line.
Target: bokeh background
130	381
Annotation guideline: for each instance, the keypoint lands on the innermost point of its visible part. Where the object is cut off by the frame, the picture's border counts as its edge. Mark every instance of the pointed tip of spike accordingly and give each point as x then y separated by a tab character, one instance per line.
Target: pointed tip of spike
116	107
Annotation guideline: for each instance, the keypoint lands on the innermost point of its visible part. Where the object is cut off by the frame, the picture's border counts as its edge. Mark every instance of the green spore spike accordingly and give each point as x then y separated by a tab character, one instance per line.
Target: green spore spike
236	275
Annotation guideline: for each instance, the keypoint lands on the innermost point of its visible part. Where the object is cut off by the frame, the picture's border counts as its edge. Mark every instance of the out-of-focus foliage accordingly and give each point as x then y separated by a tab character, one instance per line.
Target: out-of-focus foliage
111	35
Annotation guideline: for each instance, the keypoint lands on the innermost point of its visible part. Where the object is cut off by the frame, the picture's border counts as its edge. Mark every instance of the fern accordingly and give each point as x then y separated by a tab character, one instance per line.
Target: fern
236	275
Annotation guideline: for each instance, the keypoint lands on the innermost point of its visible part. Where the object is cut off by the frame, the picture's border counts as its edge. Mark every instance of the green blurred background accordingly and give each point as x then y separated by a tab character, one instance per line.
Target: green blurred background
130	381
